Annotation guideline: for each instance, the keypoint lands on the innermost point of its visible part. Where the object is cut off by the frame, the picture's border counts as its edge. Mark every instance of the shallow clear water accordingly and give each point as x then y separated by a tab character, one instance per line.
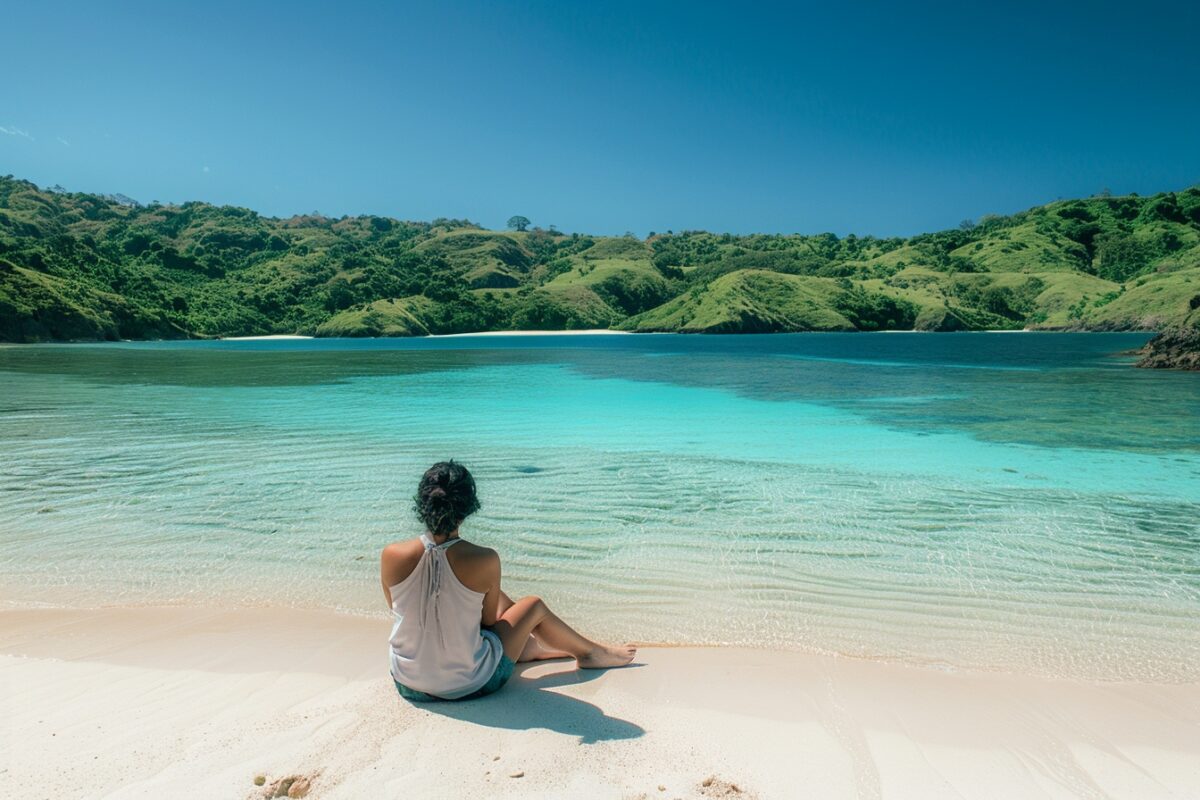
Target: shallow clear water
1022	502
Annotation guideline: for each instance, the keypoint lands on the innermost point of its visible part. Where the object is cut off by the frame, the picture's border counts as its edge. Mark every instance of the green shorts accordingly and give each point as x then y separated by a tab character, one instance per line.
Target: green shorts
504	671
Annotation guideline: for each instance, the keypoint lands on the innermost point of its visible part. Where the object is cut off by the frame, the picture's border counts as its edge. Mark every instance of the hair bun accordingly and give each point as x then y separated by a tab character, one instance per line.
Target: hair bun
445	497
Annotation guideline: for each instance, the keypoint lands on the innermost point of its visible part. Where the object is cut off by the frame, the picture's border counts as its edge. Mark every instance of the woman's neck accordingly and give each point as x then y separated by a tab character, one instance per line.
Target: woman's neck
442	538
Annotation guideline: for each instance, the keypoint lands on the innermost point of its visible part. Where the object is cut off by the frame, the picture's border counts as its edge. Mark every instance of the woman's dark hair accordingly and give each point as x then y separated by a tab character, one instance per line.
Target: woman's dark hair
445	497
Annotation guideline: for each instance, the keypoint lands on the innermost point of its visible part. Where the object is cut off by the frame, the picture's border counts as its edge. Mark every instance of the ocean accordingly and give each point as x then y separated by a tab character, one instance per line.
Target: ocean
1018	502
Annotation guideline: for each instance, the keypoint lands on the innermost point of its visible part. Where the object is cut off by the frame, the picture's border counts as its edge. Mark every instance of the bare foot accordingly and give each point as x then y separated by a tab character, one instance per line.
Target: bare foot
604	657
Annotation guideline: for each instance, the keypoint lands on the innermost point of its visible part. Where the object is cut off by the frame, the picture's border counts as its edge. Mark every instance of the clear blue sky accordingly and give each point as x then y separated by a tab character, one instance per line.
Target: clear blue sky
876	117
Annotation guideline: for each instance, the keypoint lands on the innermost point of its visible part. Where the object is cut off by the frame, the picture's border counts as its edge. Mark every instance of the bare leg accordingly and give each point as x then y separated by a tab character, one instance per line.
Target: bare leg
534	650
529	615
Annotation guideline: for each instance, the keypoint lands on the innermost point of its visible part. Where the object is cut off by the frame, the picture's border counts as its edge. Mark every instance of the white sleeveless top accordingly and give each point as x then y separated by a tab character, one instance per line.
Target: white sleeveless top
437	644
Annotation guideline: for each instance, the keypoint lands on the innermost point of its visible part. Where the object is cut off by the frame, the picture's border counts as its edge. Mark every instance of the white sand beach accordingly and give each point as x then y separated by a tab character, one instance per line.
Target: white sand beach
193	703
587	332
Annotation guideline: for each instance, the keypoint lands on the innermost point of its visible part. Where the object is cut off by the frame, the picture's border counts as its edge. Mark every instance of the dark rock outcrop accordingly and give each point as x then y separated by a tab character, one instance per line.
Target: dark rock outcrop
1177	348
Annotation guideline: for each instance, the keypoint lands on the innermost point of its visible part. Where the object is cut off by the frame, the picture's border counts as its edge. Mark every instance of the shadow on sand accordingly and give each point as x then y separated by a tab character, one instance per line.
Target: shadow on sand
524	703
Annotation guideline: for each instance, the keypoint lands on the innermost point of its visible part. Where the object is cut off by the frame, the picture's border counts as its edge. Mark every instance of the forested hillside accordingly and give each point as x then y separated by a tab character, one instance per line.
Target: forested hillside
83	266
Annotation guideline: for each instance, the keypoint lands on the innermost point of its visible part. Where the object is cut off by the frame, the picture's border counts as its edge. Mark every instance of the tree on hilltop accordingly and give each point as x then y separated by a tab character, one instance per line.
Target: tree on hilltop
518	223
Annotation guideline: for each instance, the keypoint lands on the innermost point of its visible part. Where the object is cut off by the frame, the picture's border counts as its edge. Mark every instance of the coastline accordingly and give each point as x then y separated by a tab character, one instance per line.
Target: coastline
135	702
586	332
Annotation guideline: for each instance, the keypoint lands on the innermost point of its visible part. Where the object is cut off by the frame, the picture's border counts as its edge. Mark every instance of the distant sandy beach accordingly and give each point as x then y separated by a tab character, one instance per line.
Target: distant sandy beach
185	702
588	332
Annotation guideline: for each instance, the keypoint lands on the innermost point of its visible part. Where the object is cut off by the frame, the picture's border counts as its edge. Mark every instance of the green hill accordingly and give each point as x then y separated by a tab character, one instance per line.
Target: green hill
84	266
749	301
484	258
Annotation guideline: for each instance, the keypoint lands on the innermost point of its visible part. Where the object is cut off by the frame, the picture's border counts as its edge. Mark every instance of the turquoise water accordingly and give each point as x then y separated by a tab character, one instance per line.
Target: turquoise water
1018	502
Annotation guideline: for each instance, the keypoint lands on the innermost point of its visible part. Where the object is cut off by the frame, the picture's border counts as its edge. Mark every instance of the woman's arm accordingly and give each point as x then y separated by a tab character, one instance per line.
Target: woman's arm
387	567
395	563
491	600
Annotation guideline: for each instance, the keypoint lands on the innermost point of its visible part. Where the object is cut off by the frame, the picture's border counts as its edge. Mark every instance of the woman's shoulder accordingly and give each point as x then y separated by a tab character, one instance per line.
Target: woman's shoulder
474	553
476	566
402	549
399	559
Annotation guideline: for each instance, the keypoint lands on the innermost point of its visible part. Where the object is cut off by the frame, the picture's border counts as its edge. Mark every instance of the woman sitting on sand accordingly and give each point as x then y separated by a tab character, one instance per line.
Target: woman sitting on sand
456	634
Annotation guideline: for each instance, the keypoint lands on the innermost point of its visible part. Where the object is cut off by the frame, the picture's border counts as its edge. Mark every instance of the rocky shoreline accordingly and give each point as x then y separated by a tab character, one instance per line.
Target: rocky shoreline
1176	348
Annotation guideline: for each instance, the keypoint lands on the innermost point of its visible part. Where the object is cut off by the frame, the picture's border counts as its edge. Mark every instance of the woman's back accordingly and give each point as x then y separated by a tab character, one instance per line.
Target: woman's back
443	590
437	645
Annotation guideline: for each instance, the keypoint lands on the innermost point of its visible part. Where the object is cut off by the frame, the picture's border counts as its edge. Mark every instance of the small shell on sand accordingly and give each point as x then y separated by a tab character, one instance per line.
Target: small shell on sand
293	786
517	773
712	786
